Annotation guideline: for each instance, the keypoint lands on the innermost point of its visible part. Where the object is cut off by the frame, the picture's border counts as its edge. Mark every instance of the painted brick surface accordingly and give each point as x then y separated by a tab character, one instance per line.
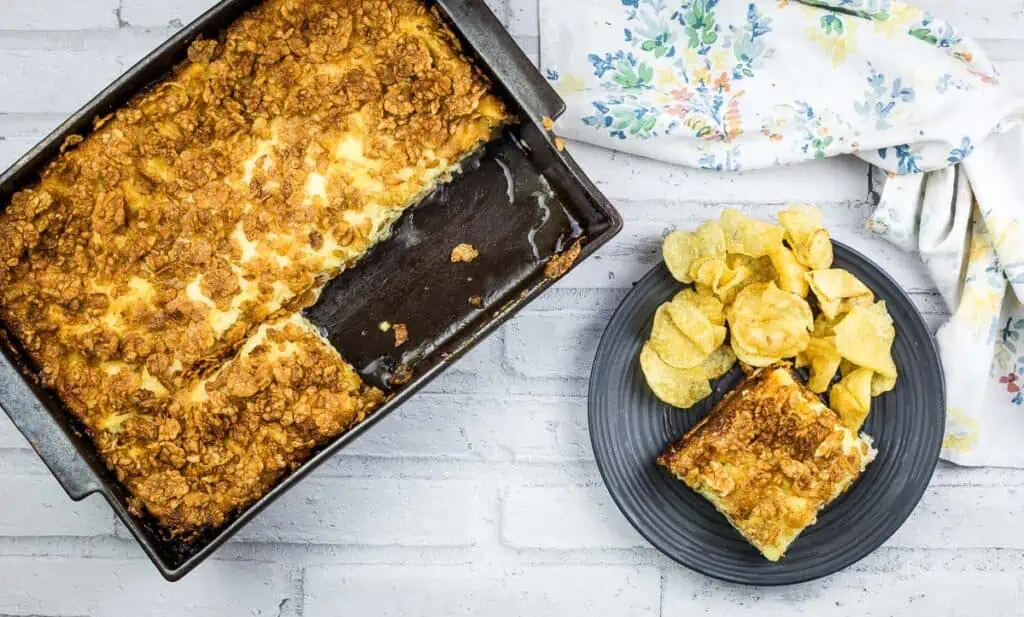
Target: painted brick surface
481	496
128	588
534	591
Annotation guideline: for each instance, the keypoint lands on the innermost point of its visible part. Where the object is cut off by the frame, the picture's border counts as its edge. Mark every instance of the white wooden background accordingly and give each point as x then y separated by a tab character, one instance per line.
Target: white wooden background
481	495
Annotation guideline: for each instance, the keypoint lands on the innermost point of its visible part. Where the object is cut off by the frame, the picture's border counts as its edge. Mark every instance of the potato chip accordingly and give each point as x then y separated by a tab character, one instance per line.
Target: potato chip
674	386
823	326
851	398
832	286
823	359
748	236
880	384
859	384
695	326
680	251
836	284
846	367
708	271
731	283
710	238
741	271
844	403
768	322
718	363
761	268
711	306
810	241
668	341
684	251
752	358
865	337
800	222
817	254
704	290
801	359
790	272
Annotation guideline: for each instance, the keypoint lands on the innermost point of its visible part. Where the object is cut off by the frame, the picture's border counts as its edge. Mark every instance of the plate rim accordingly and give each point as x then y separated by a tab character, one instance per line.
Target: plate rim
855	554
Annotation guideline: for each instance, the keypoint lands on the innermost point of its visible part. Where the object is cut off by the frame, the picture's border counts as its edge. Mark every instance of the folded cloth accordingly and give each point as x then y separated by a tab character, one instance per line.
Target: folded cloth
742	85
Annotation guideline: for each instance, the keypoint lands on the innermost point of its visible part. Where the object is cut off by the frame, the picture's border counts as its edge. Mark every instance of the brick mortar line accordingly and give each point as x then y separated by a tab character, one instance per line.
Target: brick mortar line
302	556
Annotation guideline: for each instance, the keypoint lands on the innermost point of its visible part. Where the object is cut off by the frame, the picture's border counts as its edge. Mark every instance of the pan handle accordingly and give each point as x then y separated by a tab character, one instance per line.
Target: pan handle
499	51
20	400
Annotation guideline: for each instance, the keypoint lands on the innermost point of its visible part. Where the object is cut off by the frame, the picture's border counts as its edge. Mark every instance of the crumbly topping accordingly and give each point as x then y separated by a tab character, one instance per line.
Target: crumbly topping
464	253
226	440
771	455
266	163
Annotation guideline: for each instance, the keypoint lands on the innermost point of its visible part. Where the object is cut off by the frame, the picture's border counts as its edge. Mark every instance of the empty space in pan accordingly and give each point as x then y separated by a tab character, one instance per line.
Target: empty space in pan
499	204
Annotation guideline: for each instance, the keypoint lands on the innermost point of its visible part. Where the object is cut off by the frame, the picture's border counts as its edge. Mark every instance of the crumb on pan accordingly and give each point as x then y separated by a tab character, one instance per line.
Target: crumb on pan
384	326
401	334
402	375
547	122
464	253
560	144
560	264
476	301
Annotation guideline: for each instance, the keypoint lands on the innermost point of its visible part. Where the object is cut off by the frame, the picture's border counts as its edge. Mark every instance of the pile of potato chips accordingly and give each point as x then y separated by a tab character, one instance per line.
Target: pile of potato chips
751	281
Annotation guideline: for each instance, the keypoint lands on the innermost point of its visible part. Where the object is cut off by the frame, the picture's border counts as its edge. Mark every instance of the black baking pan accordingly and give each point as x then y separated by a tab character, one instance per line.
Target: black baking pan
630	427
519	200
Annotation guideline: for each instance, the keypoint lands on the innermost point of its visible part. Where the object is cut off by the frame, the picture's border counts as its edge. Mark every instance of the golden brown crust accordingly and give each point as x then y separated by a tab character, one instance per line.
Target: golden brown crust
770	456
225	195
226	440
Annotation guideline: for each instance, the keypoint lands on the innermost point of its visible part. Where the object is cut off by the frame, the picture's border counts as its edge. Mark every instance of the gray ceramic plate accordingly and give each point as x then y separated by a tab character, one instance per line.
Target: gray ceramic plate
629	427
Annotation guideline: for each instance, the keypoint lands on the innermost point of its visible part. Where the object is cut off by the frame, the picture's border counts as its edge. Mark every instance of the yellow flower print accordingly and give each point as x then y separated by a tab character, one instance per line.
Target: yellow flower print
666	77
836	34
571	84
719	61
981	249
691	60
900	17
962	431
979	306
1007	237
702	74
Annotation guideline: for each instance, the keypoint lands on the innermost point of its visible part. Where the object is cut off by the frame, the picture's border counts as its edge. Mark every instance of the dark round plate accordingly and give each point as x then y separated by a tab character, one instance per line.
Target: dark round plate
629	427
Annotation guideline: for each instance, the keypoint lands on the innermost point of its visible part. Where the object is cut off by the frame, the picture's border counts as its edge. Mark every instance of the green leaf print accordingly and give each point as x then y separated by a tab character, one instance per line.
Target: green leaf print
925	35
832	24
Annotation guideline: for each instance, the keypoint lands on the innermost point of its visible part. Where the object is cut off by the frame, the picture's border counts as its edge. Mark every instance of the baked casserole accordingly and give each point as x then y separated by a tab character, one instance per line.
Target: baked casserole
769	457
155	271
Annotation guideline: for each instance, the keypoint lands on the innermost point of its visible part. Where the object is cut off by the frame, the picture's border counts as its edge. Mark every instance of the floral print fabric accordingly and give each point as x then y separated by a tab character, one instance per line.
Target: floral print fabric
734	85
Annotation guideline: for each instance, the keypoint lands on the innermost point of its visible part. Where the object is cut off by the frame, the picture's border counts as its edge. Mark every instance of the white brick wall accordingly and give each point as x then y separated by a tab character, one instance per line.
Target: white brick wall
536	591
129	588
480	496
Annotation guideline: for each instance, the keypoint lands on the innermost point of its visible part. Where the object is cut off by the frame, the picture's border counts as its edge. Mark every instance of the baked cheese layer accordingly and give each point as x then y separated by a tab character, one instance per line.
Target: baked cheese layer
769	457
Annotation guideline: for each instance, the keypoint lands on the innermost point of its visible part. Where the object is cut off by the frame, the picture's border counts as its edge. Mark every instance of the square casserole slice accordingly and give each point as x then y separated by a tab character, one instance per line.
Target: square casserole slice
769	457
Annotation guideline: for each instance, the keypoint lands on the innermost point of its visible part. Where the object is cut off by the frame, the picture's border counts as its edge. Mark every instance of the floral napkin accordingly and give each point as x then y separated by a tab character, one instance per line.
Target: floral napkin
741	85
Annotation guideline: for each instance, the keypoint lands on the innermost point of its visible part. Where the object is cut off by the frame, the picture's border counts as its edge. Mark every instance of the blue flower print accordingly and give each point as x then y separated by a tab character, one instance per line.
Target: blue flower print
956	155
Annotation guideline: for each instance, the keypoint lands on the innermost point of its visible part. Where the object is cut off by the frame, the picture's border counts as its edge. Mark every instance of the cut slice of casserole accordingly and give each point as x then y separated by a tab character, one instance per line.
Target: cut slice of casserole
769	457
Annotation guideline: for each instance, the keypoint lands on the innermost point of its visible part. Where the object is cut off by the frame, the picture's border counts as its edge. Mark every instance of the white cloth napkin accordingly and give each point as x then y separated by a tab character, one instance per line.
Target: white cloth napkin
740	85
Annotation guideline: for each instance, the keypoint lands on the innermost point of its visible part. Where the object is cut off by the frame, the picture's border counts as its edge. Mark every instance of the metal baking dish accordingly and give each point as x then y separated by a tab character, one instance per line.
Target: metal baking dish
520	201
